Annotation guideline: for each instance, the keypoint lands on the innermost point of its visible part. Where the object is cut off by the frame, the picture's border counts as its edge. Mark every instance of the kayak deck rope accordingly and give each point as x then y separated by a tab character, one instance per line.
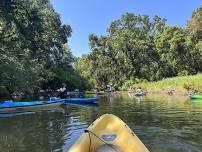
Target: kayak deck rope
88	131
90	141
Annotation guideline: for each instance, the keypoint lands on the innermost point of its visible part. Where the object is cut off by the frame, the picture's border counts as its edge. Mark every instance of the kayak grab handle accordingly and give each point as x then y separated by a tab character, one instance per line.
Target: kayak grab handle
109	138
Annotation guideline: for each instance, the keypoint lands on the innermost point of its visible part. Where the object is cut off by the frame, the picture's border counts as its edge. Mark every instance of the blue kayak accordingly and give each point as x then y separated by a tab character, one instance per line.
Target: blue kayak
10	106
76	100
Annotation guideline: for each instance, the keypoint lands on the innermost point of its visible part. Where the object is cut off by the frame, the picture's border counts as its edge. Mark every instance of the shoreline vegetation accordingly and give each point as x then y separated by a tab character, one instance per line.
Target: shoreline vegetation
137	51
34	49
145	52
183	85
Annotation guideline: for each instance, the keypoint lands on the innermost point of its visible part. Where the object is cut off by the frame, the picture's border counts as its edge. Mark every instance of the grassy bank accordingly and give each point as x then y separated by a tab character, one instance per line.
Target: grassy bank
182	84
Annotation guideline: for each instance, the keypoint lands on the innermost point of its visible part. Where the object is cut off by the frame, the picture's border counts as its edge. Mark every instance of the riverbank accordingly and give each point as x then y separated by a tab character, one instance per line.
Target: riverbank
183	85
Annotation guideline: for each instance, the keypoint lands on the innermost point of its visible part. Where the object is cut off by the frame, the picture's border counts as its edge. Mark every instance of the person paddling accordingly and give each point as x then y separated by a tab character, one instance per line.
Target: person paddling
62	92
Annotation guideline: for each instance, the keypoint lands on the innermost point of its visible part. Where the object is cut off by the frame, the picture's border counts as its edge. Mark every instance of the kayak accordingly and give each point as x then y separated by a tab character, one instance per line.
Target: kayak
108	134
137	94
76	100
199	97
10	106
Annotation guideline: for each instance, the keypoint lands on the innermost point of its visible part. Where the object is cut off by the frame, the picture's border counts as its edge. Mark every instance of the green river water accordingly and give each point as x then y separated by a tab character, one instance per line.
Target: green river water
164	124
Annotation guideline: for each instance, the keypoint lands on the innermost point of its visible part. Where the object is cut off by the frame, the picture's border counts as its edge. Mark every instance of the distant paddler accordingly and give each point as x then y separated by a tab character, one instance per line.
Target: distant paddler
139	92
62	91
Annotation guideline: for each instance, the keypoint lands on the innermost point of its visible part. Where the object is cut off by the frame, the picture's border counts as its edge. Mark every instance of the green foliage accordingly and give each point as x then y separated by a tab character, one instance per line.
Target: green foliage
132	82
33	43
127	51
175	54
84	67
143	48
195	24
69	76
180	82
34	50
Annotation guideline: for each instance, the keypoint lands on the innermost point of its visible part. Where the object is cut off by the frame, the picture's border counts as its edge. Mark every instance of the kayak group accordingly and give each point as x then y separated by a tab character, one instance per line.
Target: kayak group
106	134
16	107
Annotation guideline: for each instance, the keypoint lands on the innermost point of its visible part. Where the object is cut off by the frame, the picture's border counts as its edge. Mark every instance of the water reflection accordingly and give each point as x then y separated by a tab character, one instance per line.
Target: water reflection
163	123
88	105
2	115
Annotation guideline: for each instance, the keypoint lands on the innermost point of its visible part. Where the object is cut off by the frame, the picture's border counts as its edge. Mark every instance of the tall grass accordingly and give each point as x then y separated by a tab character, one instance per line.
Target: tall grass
182	82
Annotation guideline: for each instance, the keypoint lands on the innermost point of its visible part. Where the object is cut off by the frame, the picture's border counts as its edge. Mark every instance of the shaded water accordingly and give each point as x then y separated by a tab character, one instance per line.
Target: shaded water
164	124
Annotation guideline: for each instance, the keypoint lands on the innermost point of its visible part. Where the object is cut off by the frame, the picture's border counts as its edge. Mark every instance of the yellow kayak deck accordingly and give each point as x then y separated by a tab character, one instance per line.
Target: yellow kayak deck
108	129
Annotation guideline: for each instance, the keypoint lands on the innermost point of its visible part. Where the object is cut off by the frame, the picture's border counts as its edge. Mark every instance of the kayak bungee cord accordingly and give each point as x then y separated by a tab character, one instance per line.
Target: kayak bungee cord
90	139
88	131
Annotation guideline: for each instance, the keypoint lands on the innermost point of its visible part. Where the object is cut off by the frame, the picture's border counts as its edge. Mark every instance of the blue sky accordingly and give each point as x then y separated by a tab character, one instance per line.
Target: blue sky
94	16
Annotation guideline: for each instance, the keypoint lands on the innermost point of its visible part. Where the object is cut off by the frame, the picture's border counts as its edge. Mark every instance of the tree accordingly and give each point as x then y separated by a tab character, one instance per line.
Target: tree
195	24
127	51
33	43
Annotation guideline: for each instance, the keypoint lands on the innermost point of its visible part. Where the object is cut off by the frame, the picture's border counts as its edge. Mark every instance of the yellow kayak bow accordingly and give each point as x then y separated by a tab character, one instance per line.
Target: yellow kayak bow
108	134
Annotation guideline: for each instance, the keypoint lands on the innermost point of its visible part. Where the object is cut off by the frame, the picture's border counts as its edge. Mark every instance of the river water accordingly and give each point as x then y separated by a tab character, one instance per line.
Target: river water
163	123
